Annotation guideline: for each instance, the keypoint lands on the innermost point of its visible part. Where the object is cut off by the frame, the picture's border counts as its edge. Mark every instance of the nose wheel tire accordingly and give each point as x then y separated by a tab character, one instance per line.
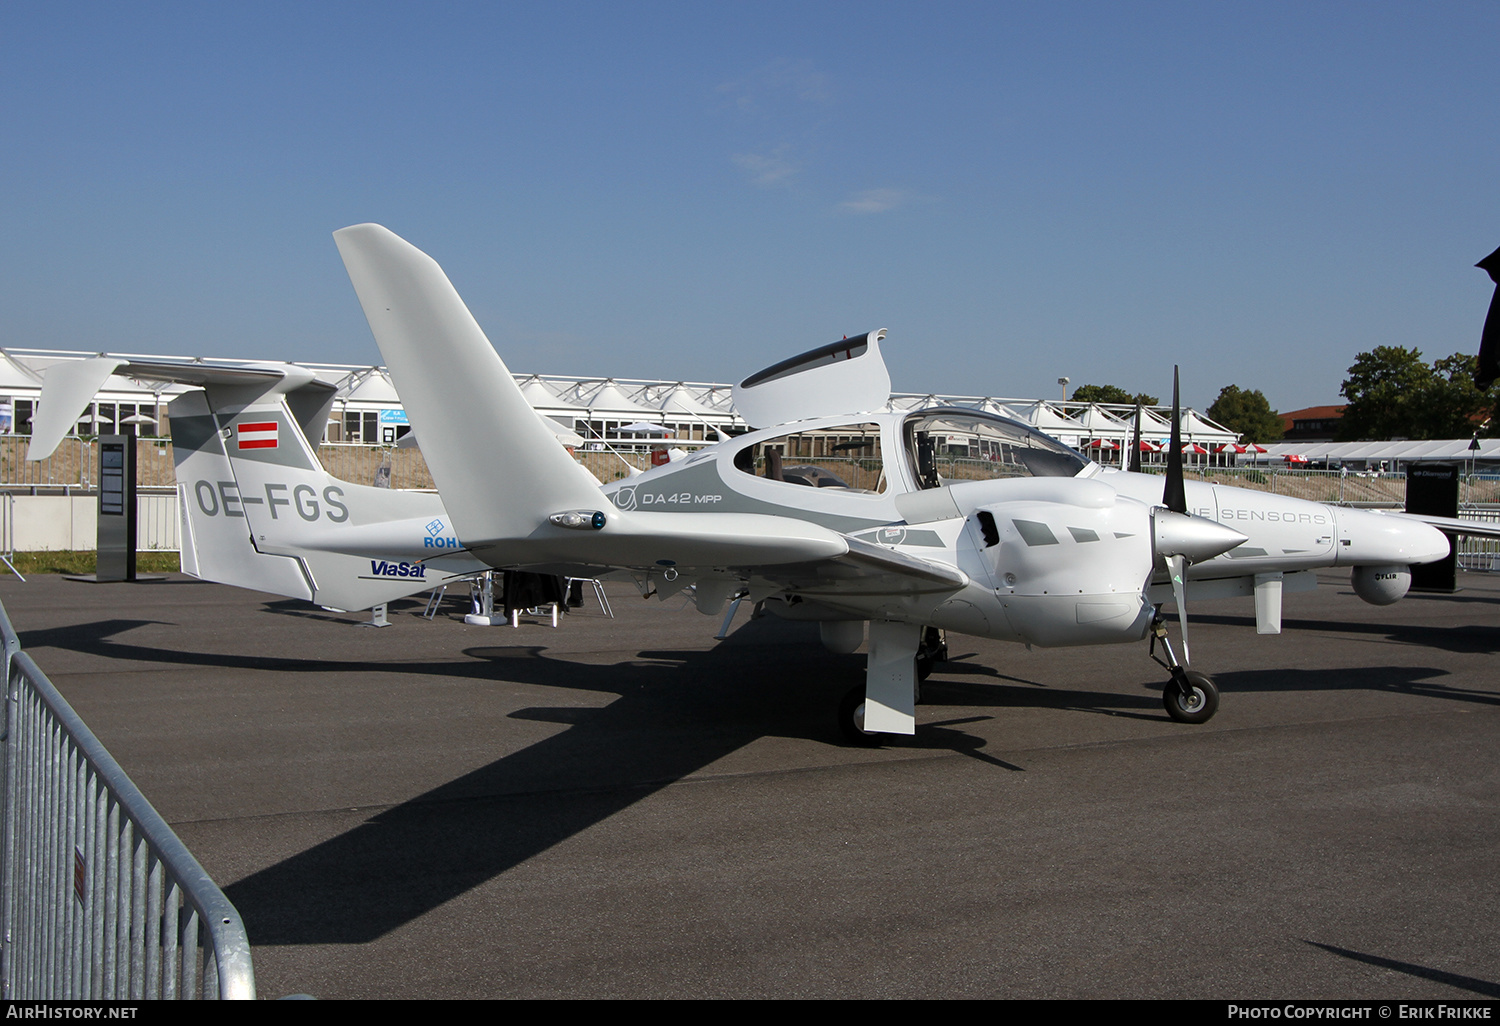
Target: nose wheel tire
852	720
1199	705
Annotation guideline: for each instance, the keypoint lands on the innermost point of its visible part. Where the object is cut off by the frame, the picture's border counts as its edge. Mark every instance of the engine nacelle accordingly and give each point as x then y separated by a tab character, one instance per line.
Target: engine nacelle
1381	585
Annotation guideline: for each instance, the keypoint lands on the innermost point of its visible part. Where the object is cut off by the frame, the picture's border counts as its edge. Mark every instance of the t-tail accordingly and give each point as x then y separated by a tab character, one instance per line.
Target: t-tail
258	510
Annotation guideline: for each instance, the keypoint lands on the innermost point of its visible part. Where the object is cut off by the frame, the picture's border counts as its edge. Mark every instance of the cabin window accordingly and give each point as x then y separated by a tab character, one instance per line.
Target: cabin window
950	445
362	427
847	456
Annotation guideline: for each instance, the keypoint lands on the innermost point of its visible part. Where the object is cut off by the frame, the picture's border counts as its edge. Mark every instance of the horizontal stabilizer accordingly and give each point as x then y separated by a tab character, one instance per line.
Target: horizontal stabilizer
69	386
67	390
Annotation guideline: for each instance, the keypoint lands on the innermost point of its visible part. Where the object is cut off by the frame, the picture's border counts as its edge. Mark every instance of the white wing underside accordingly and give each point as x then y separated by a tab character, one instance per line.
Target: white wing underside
1472	528
862	570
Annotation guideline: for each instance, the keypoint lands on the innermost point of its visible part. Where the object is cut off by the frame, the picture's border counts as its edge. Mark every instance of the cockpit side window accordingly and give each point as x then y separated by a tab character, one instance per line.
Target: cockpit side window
847	456
949	445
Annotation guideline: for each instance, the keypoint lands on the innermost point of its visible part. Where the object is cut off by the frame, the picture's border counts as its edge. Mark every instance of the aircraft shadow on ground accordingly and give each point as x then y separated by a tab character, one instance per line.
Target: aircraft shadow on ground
1477	986
1409	680
676	712
1475	638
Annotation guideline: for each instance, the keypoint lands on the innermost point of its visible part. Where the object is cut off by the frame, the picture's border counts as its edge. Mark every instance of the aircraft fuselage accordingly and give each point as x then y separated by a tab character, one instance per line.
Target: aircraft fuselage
1054	549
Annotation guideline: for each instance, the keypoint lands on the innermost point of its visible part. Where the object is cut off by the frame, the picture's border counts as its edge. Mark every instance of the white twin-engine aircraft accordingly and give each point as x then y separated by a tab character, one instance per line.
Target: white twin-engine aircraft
939	519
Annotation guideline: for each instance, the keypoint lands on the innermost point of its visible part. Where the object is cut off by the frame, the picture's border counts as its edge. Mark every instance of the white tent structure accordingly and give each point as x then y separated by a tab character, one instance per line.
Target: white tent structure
544	400
368	410
1046	419
999	409
1393	455
1100	423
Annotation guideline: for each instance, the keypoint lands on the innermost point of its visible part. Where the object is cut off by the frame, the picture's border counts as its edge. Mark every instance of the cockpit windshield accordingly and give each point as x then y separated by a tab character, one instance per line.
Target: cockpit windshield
949	445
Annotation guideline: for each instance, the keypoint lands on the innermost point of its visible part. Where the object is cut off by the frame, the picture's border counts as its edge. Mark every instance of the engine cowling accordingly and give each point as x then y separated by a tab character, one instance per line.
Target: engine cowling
1381	585
1070	574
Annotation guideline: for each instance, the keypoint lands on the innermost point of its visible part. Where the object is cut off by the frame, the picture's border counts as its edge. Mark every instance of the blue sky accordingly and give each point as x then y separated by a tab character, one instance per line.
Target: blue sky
1017	191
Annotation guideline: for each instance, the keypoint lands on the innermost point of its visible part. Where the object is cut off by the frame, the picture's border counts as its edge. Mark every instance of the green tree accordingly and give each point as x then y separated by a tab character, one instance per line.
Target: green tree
1111	394
1385	388
1456	408
1247	412
1393	393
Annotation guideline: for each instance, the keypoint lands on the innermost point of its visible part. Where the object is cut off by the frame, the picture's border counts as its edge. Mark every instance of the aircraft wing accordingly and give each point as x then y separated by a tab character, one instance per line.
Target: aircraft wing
1472	528
785	554
518	500
865	569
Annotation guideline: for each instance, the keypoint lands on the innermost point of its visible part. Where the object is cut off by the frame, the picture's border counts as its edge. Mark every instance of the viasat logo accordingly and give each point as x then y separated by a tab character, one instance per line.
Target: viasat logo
381	568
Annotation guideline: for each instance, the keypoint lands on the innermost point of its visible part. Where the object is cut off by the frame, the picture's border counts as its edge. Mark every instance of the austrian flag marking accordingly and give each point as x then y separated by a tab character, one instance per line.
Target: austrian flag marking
259	435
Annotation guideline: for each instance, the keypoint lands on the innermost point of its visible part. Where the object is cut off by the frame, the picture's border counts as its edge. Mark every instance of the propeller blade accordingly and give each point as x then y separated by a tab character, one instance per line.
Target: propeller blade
1135	443
1177	567
1174	496
1180	540
1489	342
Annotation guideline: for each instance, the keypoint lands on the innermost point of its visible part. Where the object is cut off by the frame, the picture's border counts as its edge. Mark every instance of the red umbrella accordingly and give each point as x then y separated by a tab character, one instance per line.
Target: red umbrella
1194	449
1102	443
1232	447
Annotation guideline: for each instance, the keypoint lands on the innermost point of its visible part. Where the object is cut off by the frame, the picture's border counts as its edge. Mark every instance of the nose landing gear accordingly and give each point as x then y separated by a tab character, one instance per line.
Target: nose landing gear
1190	696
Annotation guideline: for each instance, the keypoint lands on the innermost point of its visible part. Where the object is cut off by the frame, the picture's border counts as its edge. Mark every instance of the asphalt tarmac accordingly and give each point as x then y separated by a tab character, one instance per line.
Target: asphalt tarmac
626	809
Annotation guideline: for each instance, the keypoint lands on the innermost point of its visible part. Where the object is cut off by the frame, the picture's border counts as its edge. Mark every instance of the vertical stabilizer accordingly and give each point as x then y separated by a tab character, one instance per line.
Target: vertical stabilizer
216	543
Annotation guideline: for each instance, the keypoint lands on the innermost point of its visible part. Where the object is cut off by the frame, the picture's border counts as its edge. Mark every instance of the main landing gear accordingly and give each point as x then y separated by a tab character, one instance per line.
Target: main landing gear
900	657
852	719
1190	696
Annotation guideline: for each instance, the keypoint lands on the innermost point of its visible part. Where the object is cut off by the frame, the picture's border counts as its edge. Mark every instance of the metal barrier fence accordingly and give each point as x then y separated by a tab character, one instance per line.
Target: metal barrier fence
359	464
158	526
1479	553
99	899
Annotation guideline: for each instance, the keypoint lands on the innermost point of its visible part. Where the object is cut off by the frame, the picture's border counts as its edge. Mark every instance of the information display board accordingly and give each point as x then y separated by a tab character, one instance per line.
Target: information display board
117	508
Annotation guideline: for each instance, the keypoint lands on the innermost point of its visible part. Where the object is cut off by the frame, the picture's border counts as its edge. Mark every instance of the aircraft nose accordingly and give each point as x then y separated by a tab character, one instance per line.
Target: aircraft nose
1380	538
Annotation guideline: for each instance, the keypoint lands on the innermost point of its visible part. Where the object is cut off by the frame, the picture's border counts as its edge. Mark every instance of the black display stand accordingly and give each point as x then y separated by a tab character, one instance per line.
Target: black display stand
1432	489
117	508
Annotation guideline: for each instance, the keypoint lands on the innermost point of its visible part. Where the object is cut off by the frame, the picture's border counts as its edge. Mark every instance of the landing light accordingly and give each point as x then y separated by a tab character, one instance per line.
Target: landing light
579	519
